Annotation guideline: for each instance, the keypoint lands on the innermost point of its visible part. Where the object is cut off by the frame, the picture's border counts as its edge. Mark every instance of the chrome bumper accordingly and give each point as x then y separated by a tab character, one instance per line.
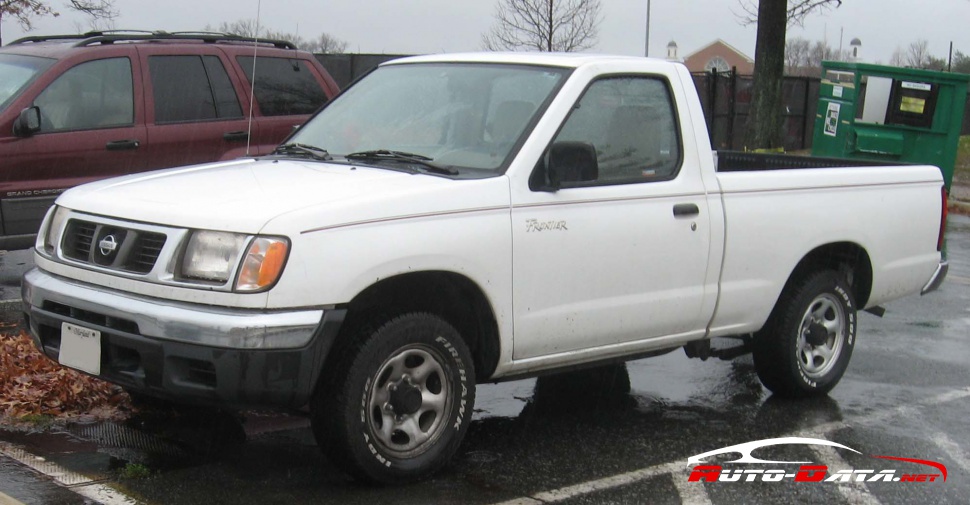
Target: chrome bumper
188	353
937	279
174	321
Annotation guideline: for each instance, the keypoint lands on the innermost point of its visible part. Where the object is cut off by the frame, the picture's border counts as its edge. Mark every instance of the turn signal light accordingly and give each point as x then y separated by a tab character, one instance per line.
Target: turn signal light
263	264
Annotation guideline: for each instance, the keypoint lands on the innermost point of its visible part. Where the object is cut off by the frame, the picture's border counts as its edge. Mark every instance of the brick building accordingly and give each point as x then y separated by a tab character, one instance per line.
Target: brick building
717	54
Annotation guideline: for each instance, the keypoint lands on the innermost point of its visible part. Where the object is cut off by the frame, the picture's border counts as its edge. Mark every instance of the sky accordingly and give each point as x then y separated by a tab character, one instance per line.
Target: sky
435	26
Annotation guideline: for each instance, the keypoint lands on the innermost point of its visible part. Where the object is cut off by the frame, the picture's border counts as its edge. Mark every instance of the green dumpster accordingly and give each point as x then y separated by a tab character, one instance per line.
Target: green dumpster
882	113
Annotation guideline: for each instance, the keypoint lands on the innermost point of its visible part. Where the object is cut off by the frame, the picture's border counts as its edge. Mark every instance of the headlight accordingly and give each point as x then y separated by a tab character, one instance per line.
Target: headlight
263	264
211	255
50	230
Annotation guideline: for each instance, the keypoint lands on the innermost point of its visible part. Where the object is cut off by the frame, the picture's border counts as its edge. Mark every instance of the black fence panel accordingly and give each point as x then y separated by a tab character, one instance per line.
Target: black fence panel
726	98
344	68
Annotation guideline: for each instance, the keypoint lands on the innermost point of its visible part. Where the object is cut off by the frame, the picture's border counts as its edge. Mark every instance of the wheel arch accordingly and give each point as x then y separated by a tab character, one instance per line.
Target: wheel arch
452	296
851	260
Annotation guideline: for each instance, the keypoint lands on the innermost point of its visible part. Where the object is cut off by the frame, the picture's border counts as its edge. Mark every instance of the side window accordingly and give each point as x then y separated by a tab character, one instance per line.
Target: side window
191	88
283	86
630	125
94	94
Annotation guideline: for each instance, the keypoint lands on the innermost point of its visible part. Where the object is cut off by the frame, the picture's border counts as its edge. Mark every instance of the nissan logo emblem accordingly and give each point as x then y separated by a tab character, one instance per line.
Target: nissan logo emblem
108	245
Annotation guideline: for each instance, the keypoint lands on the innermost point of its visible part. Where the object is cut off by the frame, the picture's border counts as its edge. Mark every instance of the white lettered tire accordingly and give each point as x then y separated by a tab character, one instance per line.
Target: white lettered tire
398	403
805	346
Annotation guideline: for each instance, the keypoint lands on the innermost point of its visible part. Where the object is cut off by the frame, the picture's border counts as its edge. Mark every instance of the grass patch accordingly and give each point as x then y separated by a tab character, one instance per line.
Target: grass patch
135	471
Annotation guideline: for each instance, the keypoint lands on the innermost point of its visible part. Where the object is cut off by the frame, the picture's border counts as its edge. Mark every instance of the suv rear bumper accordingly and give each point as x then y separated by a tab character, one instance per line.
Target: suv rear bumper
190	353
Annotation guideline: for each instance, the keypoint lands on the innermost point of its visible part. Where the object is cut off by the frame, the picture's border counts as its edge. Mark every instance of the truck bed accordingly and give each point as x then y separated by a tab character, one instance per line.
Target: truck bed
738	161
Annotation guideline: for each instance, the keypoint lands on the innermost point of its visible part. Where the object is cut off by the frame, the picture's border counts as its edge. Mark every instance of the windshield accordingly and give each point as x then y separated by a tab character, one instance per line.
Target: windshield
16	72
459	115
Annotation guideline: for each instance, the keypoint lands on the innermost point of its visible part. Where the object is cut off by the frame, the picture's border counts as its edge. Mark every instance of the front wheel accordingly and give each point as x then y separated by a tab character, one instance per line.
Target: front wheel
397	405
805	346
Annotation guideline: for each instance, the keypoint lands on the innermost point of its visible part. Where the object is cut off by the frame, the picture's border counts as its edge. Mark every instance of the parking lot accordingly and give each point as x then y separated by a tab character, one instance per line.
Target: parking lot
616	435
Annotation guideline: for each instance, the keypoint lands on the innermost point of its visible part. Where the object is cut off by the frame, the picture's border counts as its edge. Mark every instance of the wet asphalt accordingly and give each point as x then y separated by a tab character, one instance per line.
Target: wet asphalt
619	434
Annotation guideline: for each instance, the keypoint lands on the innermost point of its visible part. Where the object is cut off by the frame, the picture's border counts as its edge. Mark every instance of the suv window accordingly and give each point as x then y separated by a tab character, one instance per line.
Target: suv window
630	121
283	86
16	72
192	88
94	94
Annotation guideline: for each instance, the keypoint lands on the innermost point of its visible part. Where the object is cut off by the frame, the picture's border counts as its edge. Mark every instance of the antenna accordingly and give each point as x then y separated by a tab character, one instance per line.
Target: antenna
252	84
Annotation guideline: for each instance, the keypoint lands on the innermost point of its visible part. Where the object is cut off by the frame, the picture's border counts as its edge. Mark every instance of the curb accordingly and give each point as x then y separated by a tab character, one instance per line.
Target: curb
960	206
7	500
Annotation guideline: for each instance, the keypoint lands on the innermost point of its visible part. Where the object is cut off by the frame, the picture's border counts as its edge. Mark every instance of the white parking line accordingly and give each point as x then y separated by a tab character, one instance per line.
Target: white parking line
84	486
693	493
855	494
584	488
952	449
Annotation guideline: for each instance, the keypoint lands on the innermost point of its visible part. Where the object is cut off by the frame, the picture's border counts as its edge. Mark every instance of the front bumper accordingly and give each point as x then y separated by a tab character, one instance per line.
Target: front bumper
185	352
938	276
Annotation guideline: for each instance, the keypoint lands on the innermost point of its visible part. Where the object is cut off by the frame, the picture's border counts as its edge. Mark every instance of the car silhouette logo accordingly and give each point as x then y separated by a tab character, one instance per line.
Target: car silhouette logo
108	245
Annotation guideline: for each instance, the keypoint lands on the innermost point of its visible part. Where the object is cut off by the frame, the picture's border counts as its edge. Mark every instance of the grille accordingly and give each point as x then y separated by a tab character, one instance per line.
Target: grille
79	240
112	247
145	252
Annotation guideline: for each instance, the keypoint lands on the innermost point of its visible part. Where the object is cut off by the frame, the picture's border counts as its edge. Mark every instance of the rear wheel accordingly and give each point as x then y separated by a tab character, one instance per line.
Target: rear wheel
805	346
398	403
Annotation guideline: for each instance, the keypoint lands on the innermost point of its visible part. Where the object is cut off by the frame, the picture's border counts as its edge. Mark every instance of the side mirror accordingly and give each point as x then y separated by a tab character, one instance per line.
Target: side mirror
568	163
28	123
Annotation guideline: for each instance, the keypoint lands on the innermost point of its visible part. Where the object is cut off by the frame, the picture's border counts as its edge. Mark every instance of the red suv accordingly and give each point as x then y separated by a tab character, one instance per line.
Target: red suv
75	108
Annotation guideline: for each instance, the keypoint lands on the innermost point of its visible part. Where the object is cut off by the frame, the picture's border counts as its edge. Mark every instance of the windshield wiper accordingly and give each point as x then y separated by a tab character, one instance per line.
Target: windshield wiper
417	159
296	149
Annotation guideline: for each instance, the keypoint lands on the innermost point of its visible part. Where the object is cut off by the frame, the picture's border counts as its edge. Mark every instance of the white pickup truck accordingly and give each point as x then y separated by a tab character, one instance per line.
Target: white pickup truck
457	219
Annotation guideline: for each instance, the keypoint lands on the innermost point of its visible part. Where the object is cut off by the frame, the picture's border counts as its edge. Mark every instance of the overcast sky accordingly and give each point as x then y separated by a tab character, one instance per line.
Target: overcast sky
430	26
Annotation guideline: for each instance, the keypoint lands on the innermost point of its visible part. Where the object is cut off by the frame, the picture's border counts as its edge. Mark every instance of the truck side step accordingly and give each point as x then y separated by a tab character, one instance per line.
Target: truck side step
702	349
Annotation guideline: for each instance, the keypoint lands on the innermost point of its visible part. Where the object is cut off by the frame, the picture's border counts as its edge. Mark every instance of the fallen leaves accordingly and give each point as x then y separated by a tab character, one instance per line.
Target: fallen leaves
31	384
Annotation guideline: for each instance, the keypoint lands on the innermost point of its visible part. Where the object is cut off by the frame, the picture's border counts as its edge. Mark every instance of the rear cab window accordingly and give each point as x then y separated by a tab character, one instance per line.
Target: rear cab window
631	123
284	86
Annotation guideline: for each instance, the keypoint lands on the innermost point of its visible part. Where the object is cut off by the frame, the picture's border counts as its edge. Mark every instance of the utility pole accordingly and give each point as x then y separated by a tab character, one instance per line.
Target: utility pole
646	43
949	60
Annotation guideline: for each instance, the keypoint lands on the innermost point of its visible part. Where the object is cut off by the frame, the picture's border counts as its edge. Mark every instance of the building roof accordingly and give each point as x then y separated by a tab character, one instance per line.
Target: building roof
725	44
855	42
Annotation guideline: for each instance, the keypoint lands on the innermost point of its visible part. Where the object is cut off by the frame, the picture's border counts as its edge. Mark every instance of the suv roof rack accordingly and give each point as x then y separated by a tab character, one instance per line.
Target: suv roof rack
112	36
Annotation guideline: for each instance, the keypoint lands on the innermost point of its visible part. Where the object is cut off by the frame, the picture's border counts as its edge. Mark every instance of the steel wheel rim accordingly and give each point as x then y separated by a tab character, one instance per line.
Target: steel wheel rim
411	369
825	312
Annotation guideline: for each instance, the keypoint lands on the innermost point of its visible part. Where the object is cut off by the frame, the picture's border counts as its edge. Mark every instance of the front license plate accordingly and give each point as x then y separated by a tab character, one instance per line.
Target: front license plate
80	348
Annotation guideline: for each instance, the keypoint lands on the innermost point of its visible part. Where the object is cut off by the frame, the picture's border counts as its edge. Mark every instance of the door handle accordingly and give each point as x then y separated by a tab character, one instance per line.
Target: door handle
686	209
122	145
235	136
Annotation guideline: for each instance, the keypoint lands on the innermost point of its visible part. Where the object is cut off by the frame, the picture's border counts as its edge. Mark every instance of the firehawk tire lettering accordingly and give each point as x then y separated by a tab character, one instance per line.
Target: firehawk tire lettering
805	346
409	379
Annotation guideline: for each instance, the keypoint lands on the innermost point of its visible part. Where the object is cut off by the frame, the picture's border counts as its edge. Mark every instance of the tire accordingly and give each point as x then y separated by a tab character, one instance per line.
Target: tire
398	401
805	346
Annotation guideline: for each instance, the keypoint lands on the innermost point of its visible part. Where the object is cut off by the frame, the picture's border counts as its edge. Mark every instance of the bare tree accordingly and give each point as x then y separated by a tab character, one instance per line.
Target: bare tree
961	63
773	18
101	13
23	11
899	58
323	43
797	52
544	25
242	27
917	55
